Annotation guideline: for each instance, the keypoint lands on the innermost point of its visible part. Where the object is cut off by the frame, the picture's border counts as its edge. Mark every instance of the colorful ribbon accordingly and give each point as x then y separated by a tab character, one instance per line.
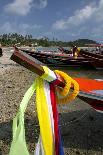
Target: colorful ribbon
49	142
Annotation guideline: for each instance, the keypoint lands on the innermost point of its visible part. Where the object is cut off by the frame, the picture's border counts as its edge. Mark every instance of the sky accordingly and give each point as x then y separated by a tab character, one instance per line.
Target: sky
65	20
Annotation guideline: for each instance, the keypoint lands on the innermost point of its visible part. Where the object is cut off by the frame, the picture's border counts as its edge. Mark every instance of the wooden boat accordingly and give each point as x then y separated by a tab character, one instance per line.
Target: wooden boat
91	90
59	59
96	58
1	52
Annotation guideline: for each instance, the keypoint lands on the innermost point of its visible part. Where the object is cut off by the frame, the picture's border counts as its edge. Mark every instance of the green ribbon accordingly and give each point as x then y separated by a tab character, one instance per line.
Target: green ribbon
18	145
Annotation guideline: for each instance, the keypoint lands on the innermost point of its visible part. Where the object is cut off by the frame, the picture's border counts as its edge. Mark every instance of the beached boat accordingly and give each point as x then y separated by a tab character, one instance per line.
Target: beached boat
96	58
1	52
59	58
91	90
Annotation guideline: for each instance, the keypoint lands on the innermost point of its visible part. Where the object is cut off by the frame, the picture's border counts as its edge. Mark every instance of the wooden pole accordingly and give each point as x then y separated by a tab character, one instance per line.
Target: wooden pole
28	62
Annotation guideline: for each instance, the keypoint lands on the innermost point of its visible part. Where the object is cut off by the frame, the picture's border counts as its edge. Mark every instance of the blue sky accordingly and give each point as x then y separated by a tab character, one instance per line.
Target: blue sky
62	19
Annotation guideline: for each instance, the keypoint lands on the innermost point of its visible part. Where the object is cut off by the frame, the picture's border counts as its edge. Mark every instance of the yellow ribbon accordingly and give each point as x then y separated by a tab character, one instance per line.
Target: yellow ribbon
46	128
44	119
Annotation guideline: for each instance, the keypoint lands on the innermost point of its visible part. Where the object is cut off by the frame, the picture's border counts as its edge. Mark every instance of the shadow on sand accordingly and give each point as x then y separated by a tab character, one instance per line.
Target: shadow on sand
79	130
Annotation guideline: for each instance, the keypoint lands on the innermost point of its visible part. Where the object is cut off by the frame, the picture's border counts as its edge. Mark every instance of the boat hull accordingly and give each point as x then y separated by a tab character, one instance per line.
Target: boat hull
96	104
96	59
59	59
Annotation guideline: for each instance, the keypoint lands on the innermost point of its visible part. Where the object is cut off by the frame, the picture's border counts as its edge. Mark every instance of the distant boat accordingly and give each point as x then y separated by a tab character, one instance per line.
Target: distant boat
58	58
96	58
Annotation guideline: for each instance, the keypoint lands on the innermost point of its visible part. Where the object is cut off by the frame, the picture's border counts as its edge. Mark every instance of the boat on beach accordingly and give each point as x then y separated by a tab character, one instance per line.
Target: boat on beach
90	90
96	59
58	58
1	51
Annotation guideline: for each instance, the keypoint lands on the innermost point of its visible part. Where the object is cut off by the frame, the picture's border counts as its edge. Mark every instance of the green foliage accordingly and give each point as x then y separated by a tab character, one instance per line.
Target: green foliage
14	38
83	42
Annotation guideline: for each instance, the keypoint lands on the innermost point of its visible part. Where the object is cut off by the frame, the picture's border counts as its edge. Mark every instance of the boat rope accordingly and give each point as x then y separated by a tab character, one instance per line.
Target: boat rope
75	120
49	142
71	122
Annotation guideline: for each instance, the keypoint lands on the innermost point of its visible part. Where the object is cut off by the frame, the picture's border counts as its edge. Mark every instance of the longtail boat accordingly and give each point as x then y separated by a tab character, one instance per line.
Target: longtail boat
59	59
96	58
91	90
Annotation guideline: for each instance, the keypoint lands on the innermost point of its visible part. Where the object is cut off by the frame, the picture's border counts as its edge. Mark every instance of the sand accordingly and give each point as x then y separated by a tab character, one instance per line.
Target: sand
81	126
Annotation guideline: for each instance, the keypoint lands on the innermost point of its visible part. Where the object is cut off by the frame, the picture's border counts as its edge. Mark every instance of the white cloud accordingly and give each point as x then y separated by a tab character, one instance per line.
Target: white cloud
79	17
40	4
61	24
23	7
43	3
20	7
99	12
97	31
22	28
77	32
6	28
93	12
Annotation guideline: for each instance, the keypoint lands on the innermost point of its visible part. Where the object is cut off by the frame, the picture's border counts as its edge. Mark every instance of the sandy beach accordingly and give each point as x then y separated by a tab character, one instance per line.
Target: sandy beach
81	126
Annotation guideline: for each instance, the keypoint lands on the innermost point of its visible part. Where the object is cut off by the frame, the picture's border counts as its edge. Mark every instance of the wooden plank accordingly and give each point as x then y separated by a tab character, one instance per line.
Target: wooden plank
29	62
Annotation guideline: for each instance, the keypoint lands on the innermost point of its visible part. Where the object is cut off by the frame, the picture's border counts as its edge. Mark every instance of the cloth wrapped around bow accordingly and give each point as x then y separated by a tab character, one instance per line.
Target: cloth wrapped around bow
48	94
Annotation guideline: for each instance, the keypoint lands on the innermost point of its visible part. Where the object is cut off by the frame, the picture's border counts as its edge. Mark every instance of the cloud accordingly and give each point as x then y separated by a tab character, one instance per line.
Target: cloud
99	12
22	28
93	12
97	32
86	22
23	7
42	4
79	17
20	7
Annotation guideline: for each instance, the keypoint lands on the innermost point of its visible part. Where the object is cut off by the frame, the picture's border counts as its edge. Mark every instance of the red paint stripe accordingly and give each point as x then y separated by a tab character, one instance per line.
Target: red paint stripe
88	85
